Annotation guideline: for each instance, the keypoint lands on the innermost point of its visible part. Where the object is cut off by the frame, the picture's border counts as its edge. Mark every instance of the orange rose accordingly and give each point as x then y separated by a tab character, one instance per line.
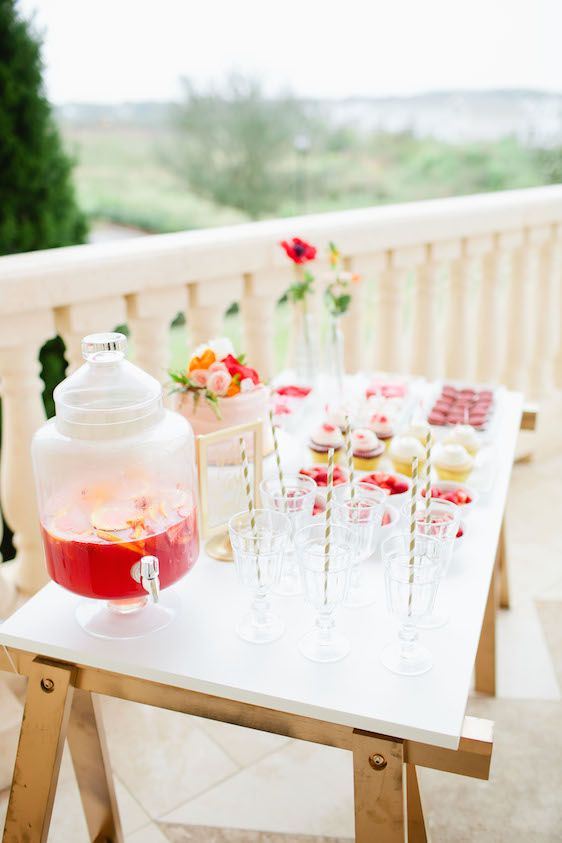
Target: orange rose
233	389
207	359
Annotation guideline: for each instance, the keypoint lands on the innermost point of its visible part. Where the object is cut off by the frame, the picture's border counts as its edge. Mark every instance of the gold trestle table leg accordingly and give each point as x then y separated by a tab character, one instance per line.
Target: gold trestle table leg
90	757
416	823
501	562
485	665
39	753
379	795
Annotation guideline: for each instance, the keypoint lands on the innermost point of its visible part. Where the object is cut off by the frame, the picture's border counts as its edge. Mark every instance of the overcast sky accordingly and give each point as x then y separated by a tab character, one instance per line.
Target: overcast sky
115	50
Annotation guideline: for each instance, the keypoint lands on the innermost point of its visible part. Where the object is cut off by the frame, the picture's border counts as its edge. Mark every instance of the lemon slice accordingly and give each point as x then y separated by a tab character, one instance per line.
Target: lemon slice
111	518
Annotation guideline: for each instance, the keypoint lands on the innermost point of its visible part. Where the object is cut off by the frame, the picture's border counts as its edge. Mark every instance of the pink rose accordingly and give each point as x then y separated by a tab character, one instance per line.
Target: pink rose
199	376
218	382
217	367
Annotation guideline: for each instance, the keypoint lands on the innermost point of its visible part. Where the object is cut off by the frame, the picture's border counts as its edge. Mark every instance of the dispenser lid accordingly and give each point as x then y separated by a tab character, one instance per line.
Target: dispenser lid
107	390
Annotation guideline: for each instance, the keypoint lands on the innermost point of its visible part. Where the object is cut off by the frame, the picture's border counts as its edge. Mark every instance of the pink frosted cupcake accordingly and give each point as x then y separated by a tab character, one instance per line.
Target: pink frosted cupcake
325	437
367	449
381	425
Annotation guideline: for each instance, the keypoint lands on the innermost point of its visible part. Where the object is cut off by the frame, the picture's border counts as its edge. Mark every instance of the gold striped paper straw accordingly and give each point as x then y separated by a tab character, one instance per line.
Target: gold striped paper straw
427	475
349	455
277	455
327	533
412	554
249	501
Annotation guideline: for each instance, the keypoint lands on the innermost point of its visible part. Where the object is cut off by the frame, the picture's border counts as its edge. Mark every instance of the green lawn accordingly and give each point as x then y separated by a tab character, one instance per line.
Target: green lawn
122	175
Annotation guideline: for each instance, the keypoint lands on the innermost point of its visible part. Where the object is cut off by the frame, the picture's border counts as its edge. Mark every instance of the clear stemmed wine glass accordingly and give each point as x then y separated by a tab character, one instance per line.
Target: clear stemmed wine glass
296	501
325	578
258	556
443	525
362	513
410	594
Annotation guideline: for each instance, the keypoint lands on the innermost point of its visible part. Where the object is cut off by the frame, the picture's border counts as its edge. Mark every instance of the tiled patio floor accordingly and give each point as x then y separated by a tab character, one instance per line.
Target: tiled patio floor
183	779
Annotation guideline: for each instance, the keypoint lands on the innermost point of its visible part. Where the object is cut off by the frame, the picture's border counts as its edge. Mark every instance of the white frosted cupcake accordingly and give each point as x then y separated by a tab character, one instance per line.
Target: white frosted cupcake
419	431
325	437
402	451
453	462
366	448
465	435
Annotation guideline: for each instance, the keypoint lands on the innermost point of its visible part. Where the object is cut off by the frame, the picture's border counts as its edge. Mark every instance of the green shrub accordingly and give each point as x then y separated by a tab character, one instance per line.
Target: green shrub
38	208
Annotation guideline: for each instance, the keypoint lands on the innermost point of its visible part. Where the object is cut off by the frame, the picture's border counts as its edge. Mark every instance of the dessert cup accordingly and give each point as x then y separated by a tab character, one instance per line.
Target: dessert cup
410	594
258	555
360	508
325	576
296	500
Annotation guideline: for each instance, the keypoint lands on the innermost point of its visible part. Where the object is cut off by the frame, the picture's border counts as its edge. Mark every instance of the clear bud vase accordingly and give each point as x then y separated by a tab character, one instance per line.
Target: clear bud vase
304	343
334	351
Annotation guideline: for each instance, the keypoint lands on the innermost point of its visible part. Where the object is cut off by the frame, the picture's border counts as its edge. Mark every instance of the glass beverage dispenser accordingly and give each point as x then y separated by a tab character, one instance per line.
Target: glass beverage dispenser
116	483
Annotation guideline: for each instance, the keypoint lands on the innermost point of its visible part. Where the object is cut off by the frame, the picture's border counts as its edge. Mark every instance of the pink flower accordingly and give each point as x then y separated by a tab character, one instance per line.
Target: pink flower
218	382
217	367
199	377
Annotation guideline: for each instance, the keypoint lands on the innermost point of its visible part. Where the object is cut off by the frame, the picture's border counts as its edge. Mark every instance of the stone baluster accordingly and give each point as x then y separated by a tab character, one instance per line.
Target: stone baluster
353	323
548	301
490	314
391	346
463	333
74	321
150	314
522	285
22	413
427	315
260	295
208	303
557	297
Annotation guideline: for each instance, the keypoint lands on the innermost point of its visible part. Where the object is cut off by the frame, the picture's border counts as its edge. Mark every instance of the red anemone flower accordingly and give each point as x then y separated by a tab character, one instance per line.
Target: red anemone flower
298	250
236	368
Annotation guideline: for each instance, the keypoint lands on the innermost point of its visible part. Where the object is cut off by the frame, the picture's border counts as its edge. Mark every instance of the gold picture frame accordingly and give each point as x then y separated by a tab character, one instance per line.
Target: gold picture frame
217	539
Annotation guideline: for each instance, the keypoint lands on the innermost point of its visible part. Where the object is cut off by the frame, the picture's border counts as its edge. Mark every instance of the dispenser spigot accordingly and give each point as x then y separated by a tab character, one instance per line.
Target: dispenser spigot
146	573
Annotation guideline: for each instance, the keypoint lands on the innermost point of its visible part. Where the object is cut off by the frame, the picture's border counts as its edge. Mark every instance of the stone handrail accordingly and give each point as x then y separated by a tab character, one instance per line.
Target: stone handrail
466	287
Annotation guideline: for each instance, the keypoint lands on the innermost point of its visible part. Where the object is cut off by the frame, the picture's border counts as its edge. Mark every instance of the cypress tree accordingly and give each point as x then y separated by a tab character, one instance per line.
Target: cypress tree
38	208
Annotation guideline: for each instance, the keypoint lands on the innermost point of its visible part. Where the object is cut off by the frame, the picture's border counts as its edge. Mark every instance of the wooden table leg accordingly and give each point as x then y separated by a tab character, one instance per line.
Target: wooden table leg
379	796
501	563
41	742
485	665
416	822
88	747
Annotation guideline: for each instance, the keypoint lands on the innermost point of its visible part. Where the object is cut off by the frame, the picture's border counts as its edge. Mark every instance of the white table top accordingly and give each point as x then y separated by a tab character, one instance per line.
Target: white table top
200	651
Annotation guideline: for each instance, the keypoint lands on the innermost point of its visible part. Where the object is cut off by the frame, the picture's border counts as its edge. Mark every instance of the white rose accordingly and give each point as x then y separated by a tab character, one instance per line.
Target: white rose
221	347
246	385
201	349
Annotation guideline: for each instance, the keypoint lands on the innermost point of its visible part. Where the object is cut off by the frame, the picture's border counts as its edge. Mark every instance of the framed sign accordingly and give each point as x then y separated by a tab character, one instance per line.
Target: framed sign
221	484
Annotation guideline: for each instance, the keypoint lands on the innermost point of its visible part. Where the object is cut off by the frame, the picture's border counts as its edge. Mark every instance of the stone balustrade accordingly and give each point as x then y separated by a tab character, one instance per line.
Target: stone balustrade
465	288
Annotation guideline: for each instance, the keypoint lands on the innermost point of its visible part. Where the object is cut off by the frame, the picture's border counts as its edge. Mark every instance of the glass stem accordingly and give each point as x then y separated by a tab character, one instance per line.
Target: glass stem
355	581
260	607
407	636
324	627
337	352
